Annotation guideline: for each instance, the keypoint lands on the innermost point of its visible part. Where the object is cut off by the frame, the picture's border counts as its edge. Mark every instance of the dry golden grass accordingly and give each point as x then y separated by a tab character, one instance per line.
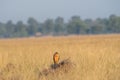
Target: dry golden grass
96	57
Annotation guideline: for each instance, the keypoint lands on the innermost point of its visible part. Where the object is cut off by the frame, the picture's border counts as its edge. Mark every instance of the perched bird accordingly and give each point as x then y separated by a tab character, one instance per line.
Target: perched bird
56	58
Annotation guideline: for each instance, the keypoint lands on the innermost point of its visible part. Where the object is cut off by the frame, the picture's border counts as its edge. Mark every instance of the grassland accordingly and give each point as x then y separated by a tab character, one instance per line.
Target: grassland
96	57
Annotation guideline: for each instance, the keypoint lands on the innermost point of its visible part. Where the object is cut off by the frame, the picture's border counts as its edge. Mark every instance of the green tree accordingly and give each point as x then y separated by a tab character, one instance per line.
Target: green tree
97	29
10	27
76	26
59	27
98	26
48	27
2	30
114	24
20	29
89	23
32	26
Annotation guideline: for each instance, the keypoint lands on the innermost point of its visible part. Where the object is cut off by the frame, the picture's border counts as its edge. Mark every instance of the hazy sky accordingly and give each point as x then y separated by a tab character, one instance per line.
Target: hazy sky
42	9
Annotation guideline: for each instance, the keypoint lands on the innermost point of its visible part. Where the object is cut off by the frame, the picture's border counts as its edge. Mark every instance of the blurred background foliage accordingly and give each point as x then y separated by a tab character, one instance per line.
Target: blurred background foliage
57	27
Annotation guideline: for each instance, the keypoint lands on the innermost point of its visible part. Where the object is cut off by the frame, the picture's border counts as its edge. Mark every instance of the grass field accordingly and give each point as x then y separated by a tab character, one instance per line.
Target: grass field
96	57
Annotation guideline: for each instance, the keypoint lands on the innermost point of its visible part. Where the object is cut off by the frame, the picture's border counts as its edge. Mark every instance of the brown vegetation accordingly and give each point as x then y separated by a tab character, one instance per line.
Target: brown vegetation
95	58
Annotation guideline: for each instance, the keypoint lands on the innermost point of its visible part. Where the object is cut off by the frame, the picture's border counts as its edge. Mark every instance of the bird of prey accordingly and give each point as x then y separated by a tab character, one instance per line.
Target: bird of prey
56	58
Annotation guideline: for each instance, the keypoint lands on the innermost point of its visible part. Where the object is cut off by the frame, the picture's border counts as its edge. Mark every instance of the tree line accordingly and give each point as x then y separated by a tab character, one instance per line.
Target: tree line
59	27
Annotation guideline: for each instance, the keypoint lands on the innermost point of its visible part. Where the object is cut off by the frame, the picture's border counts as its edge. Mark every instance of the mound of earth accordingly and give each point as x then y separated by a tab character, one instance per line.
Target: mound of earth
63	67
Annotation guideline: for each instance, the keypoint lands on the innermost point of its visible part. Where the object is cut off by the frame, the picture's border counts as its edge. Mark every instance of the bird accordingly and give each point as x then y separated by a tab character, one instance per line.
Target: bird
56	58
